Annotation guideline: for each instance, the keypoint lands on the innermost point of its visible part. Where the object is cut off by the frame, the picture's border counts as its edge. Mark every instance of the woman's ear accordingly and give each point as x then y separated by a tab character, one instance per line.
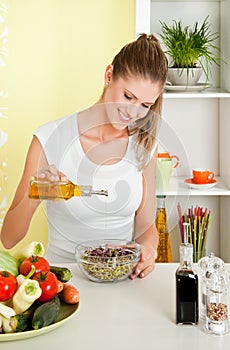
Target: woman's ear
108	74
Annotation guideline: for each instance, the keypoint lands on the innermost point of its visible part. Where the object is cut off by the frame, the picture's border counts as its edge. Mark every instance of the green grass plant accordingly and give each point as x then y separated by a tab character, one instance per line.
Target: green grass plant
190	47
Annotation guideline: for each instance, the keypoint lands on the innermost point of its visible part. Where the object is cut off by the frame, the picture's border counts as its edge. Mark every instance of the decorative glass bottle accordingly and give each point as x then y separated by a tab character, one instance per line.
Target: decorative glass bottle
164	247
40	189
187	308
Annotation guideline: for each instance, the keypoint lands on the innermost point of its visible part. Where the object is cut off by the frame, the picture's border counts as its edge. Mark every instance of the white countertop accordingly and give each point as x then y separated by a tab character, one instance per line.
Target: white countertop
128	315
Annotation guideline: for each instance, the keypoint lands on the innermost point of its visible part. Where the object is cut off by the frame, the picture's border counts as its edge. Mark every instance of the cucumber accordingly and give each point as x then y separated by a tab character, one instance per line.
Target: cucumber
47	313
63	274
21	322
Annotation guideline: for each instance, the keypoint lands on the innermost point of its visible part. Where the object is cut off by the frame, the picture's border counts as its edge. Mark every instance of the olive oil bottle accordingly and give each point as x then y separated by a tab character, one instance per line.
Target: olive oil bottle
164	248
53	190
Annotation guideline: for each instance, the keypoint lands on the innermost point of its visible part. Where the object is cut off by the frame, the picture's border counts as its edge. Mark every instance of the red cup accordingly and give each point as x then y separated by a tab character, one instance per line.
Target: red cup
202	176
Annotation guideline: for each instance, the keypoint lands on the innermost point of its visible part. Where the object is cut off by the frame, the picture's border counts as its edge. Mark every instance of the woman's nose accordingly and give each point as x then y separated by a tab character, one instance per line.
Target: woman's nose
133	110
137	111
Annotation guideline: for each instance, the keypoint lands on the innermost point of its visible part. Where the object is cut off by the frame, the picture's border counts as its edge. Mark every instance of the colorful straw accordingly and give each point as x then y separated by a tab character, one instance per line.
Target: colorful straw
198	220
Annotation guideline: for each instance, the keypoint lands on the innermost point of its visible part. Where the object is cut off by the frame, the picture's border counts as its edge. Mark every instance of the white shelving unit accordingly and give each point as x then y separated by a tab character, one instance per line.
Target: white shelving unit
196	125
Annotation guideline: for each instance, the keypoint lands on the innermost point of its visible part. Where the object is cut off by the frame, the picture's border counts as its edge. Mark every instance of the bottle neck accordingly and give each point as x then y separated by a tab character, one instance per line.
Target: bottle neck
186	256
161	201
88	191
82	190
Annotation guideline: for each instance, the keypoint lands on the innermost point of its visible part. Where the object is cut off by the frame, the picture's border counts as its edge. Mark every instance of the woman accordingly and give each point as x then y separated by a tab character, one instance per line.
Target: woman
111	145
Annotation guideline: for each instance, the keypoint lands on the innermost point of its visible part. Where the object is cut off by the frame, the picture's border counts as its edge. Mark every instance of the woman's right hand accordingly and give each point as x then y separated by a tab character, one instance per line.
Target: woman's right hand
51	173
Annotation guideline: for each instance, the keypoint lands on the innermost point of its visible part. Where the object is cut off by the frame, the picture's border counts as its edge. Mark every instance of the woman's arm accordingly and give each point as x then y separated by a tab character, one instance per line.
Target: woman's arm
19	215
145	229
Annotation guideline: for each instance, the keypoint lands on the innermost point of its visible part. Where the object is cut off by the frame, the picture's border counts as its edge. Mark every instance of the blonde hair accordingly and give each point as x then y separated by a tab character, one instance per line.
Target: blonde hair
145	58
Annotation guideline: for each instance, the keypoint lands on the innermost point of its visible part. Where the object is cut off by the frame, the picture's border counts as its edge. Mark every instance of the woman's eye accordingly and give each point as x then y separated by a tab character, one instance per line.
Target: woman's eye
128	97
145	106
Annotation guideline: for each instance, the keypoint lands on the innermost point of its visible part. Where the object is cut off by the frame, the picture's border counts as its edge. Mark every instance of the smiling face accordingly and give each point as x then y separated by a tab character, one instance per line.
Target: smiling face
128	99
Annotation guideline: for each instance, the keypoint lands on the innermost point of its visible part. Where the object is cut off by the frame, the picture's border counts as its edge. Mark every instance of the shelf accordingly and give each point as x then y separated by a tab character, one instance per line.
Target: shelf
177	187
208	93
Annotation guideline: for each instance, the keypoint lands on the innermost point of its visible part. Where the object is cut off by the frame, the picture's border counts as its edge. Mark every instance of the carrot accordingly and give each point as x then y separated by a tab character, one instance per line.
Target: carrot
60	286
69	294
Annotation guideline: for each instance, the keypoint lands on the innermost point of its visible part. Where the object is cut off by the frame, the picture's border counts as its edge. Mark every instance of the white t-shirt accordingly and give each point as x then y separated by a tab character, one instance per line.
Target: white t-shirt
86	218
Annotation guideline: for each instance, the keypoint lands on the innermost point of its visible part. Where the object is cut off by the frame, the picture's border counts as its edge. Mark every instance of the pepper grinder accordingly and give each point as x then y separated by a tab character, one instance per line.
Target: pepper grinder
208	266
217	303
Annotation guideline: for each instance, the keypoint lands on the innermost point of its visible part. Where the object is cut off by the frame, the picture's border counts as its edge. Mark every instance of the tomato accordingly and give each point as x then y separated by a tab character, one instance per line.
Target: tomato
48	283
8	285
40	264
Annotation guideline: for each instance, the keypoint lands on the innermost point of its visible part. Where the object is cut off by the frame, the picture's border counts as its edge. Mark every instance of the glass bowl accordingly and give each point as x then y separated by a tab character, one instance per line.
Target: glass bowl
107	260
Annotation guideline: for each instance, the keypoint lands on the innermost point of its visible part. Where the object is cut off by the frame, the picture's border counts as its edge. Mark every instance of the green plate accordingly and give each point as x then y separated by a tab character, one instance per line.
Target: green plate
66	312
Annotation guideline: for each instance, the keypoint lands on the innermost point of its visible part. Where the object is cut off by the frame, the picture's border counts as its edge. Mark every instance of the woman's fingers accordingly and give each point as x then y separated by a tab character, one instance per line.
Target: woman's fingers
51	173
147	270
145	265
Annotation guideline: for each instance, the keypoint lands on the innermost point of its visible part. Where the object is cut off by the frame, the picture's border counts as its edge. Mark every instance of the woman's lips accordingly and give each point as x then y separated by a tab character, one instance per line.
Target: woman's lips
124	118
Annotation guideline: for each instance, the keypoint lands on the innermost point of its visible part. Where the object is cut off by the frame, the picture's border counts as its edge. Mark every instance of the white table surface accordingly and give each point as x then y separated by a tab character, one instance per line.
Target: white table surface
128	315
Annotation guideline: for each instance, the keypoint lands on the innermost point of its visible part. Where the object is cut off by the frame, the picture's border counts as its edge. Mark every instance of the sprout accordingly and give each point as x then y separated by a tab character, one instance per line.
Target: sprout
109	264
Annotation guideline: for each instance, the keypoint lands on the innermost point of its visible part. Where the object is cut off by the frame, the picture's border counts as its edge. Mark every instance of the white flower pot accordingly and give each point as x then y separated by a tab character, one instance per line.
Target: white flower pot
179	76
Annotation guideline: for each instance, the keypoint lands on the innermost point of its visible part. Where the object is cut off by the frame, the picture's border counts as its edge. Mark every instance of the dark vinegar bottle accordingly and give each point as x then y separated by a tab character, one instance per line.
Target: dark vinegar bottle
187	308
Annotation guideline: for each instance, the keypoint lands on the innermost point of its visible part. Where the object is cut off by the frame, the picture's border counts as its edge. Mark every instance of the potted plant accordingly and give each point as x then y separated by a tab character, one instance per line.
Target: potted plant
191	51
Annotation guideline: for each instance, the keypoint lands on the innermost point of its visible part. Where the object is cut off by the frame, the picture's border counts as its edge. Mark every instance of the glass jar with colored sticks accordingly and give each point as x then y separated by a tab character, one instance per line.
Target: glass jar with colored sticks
198	220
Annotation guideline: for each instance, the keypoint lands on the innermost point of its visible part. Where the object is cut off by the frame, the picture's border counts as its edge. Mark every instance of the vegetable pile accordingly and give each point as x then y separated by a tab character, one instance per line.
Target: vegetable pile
31	290
109	264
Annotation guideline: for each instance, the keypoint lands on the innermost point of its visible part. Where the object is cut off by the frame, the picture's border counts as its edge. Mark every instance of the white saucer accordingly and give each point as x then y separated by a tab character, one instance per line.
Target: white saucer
191	184
189	88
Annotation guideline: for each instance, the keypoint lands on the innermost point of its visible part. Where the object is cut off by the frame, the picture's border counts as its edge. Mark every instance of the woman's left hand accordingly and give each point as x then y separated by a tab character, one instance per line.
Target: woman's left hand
146	263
